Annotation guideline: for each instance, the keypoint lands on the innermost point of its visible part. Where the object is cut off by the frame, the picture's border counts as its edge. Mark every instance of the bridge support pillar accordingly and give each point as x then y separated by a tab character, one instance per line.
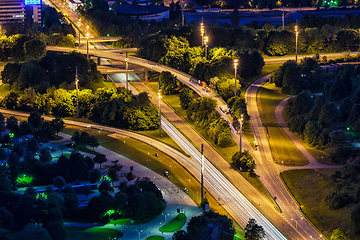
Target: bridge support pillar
146	75
98	61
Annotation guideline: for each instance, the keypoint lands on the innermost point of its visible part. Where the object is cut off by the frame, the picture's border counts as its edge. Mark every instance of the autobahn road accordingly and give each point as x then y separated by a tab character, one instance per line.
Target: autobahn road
284	224
215	182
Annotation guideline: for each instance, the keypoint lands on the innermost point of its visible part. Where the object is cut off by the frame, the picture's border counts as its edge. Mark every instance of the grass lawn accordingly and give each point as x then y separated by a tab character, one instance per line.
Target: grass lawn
138	151
155	237
175	224
4	89
95	233
257	184
310	189
283	150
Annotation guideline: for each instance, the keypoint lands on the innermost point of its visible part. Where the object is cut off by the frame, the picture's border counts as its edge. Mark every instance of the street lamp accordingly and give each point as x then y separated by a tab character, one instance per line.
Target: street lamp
283	19
241	121
160	109
126	78
206	40
87	42
79	22
202	31
296	42
236	61
77	93
165	214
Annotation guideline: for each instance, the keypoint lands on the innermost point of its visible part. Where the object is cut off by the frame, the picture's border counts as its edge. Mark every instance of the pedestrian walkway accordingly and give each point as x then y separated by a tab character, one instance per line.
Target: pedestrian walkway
175	198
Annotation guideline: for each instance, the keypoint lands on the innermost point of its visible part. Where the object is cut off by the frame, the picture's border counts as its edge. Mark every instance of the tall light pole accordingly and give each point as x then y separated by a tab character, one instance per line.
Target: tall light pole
79	22
283	19
236	61
202	173
77	93
296	222
183	17
87	42
202	32
206	40
296	42
160	110
127	67
241	121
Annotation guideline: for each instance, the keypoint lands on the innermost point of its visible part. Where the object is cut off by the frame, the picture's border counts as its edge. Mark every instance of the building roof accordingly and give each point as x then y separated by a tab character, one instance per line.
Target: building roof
137	10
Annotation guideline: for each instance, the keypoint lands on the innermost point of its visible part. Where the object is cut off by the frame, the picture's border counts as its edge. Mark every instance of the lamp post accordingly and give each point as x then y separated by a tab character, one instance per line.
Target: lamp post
127	67
160	110
202	31
283	19
206	40
236	61
296	222
79	22
87	42
183	17
296	42
77	93
241	120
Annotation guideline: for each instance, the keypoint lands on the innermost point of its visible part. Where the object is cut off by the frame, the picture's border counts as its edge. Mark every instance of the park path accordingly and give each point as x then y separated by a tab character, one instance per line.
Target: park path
175	198
279	109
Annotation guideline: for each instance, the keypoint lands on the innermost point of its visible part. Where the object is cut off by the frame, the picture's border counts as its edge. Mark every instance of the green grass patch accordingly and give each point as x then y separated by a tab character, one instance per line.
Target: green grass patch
283	150
95	233
102	84
257	184
174	102
155	237
310	189
175	224
4	89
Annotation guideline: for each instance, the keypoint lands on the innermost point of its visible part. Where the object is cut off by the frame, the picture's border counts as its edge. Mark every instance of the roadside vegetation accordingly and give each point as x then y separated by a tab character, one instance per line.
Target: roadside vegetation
175	224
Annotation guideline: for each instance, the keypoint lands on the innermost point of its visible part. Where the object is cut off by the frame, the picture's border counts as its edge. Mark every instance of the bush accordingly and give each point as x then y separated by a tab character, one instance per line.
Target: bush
336	200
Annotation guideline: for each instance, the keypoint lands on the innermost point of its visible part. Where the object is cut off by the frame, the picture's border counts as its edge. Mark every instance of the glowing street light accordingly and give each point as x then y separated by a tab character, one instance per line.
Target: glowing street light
202	32
296	222
127	67
296	42
241	121
77	93
206	40
236	62
87	42
160	110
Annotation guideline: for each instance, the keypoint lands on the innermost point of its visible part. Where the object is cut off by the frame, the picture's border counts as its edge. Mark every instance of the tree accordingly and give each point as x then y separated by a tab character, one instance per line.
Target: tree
243	161
105	186
94	175
26	128
168	83
11	100
57	231
32	231
86	190
71	203
45	133
235	18
311	133
19	150
93	142
355	218
6	219
329	116
336	200
186	97
45	156
130	176
354	115
3	155
319	103
339	234
98	206
34	49
2	123
113	175
100	158
337	90
10	73
35	119
33	145
57	124
13	160
253	231
345	109
356	96
59	182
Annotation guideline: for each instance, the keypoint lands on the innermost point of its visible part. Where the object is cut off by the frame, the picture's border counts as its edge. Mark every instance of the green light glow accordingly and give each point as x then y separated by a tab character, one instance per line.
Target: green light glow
11	135
109	212
107	178
23	180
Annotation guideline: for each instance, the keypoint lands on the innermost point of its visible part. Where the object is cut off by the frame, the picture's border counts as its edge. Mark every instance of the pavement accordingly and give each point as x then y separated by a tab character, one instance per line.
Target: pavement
175	198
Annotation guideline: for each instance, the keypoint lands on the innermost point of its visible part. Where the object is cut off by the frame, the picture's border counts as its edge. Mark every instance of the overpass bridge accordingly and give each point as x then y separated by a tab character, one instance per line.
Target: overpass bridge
148	66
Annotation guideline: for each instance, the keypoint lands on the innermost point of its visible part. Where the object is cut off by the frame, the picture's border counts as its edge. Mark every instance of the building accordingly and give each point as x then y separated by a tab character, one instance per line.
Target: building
12	11
33	12
74	4
143	11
